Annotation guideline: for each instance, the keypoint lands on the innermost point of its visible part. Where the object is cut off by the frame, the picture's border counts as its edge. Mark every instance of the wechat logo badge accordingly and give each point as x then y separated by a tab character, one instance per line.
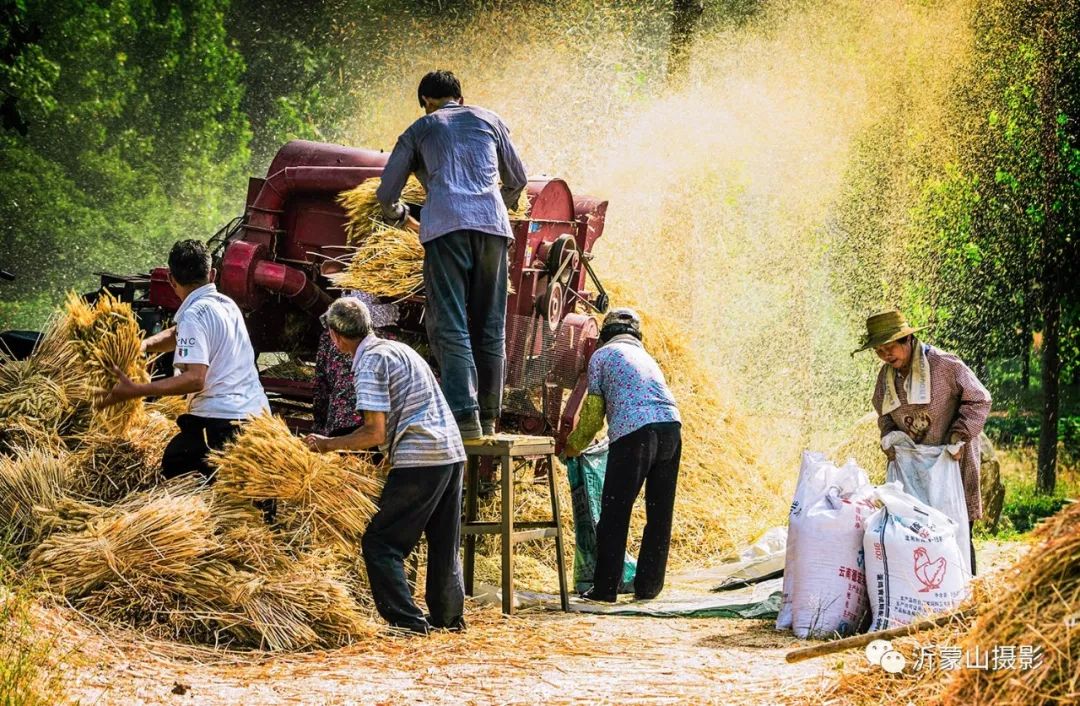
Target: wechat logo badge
882	654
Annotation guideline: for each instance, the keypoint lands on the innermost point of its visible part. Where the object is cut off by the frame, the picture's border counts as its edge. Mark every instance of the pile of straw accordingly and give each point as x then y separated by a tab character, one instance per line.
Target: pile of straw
32	481
388	262
328	501
186	562
82	505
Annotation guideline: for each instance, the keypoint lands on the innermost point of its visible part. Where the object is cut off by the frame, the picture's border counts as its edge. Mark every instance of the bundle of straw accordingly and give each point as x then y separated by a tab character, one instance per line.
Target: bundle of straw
301	604
388	263
31	397
21	434
31	482
103	337
109	467
169	407
67	514
164	537
153	605
42	392
363	210
317	593
328	498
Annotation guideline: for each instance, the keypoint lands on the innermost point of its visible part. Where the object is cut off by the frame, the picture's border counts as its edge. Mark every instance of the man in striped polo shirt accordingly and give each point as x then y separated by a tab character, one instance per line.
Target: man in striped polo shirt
406	416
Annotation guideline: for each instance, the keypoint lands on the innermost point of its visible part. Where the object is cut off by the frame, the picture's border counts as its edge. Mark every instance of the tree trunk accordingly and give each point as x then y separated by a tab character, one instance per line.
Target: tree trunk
1052	267
684	21
1046	478
1025	343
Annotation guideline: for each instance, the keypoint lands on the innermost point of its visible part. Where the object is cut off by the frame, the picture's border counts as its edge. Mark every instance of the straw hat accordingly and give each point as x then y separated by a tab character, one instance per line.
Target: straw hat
886	327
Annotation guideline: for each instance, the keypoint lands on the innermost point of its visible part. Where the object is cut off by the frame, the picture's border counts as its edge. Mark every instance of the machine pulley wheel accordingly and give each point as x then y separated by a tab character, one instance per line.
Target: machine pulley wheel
562	259
553	306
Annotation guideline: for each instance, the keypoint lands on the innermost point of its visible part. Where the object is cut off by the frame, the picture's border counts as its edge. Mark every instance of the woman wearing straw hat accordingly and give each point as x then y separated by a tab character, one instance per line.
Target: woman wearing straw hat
930	395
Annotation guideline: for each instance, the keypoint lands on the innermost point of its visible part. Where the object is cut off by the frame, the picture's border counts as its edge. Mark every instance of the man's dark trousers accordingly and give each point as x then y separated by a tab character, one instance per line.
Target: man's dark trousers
465	284
422	499
186	452
648	456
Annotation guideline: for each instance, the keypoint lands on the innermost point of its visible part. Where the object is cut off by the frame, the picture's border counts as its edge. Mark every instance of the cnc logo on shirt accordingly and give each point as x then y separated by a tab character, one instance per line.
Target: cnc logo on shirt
183	345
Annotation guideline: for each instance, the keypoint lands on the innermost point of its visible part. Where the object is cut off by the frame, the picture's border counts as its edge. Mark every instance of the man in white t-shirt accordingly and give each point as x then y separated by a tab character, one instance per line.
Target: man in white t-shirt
215	360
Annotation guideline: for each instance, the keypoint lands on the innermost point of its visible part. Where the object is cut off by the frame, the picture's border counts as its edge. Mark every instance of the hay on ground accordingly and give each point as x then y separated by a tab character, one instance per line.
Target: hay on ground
165	537
1039	610
31	482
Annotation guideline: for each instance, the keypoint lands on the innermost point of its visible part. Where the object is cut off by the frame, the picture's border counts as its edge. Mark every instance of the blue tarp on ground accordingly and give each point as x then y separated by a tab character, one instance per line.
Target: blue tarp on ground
688	595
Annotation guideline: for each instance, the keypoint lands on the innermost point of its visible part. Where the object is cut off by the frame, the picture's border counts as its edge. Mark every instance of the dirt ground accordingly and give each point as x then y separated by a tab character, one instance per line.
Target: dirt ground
550	658
537	656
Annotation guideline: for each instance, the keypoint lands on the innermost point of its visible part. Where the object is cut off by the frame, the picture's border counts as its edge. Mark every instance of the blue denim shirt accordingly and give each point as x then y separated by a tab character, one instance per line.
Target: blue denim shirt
460	154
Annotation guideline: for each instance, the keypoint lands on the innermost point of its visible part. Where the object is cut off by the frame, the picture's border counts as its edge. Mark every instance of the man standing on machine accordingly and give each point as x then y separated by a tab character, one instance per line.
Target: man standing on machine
460	154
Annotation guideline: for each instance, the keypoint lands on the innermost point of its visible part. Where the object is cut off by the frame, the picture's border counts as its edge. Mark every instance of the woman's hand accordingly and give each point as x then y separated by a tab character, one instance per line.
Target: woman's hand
317	443
954	438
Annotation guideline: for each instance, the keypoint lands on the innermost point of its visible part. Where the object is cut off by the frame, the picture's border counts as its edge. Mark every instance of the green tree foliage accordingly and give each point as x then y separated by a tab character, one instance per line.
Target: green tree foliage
1002	223
122	132
295	75
968	216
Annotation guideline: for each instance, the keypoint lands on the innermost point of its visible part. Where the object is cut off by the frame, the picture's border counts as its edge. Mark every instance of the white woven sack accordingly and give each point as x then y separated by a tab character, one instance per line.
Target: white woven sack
913	563
828	583
932	475
815	472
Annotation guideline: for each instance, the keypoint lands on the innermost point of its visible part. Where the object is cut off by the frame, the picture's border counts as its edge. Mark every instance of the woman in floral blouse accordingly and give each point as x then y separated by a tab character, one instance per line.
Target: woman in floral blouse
334	401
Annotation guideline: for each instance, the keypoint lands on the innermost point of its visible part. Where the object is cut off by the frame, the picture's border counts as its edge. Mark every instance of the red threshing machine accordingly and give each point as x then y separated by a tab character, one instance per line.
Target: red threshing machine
268	261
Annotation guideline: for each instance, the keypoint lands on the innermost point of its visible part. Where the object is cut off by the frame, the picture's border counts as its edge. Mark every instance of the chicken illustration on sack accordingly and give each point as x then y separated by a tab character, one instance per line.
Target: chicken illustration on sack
929	573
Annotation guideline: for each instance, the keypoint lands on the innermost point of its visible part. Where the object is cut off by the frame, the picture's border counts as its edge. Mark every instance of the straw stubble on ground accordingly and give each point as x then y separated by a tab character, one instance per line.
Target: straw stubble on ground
548	657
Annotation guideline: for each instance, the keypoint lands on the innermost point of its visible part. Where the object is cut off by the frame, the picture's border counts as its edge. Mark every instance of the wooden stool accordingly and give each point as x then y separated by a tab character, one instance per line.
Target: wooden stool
507	448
